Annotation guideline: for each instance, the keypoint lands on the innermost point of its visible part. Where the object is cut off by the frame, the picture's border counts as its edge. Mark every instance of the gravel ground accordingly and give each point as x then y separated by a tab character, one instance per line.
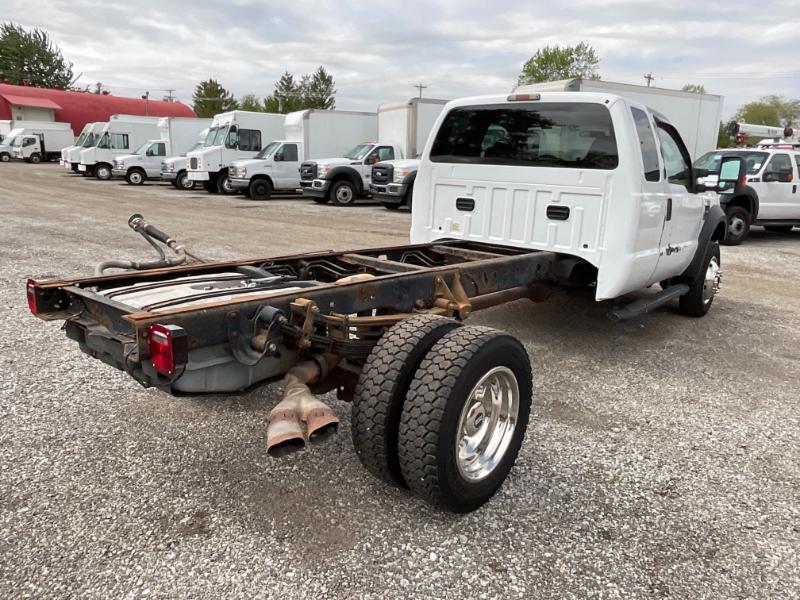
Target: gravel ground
662	459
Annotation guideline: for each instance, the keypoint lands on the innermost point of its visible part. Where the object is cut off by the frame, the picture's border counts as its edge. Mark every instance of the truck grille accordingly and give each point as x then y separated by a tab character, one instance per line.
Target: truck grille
193	163
308	171
382	174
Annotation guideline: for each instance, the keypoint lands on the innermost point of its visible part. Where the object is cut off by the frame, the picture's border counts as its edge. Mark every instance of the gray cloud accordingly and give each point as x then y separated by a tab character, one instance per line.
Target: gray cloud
378	50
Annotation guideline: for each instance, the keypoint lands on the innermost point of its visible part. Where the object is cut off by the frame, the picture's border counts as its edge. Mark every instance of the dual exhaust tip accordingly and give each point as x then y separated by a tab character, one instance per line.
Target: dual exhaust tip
299	418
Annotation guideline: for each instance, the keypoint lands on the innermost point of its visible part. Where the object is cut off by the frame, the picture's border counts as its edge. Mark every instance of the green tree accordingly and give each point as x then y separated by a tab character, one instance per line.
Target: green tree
31	56
251	102
287	97
770	110
723	137
695	88
553	63
318	90
210	98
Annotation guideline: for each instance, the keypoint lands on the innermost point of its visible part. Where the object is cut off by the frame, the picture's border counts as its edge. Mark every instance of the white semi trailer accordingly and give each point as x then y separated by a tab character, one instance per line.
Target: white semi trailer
232	136
696	116
177	135
307	134
119	136
407	124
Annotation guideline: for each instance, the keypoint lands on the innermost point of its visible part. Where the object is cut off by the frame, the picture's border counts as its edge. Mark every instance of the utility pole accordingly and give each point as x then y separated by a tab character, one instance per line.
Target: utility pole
169	95
146	98
649	77
420	87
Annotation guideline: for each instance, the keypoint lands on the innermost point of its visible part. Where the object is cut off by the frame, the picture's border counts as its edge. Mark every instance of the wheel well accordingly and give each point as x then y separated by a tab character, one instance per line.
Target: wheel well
266	178
140	169
719	232
356	183
743	201
101	164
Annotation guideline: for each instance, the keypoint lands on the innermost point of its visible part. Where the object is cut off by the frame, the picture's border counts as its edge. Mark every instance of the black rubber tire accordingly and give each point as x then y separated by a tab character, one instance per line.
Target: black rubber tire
429	423
182	181
35	158
691	303
174	183
742	213
382	388
409	197
102	172
391	205
224	186
135	177
779	228
342	185
74	168
5	157
323	200
211	186
260	189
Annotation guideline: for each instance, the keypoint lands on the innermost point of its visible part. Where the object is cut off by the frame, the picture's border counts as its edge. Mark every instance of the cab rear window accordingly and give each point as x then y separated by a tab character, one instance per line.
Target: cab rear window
568	134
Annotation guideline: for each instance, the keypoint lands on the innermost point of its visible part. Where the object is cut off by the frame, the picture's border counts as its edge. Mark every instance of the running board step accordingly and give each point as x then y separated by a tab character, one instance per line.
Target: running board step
643	305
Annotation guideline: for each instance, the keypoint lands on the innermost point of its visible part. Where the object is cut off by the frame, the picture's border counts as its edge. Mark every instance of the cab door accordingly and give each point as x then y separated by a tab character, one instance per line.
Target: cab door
286	167
684	209
779	200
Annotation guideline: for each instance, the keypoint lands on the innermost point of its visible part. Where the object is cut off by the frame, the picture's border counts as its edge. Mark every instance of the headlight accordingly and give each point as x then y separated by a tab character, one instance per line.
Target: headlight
241	172
400	174
117	164
323	170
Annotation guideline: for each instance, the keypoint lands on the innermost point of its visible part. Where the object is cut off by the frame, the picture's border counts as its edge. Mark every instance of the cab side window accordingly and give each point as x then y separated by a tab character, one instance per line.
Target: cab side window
249	140
289	152
779	169
29	142
678	169
647	145
158	149
379	154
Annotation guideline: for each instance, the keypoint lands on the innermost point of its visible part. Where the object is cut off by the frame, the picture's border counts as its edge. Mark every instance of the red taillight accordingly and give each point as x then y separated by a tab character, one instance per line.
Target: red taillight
169	348
523	97
31	290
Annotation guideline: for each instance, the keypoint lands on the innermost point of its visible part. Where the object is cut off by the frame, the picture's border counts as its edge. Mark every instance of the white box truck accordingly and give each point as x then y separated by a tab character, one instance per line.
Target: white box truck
71	156
42	142
5	128
119	136
307	134
32	128
696	116
233	136
407	124
176	136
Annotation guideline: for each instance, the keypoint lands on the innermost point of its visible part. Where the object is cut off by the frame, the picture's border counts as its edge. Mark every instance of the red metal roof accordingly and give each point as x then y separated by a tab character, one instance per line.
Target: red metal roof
79	108
37	102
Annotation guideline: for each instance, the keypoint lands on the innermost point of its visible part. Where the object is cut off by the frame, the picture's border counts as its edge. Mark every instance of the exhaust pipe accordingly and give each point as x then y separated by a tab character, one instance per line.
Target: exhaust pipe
298	405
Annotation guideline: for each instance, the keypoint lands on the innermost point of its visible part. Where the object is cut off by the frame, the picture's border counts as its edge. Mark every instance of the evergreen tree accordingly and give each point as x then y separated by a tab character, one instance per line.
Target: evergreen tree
318	90
210	98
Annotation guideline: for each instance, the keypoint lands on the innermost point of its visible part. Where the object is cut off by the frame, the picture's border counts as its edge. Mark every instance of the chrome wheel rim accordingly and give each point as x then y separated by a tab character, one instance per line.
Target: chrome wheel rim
736	226
136	178
103	173
226	185
487	424
344	195
712	280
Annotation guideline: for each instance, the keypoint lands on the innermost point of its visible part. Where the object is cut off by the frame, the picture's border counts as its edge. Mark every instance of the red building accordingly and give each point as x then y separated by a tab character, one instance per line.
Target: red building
21	102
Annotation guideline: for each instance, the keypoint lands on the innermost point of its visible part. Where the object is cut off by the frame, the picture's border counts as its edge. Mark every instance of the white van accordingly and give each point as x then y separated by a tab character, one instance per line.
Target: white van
121	135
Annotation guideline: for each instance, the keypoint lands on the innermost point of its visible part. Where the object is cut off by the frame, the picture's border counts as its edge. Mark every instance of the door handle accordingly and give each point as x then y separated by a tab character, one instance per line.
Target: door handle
669	209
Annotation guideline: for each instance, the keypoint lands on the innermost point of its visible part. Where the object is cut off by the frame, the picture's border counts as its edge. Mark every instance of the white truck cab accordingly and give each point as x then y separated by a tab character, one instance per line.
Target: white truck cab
6	149
597	178
71	156
345	178
177	136
174	168
275	168
768	196
233	135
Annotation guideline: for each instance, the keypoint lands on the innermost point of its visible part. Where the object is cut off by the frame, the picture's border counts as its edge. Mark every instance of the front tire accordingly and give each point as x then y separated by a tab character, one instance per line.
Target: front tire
211	186
698	300
135	177
738	221
382	389
35	158
102	172
465	417
224	185
182	181
391	205
343	193
5	157
260	189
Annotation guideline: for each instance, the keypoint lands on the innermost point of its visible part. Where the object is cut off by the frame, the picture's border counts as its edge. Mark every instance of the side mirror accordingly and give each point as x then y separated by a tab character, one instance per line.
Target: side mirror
731	175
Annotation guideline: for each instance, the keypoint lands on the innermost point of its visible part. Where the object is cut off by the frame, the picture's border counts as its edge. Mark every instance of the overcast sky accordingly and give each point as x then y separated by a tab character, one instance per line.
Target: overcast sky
378	50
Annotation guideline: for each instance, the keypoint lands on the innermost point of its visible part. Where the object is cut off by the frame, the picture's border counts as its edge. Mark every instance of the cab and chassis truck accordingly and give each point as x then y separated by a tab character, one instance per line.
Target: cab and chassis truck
593	191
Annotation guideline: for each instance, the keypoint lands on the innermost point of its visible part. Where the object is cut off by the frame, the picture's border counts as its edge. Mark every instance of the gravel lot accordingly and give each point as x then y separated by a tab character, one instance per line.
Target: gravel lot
662	459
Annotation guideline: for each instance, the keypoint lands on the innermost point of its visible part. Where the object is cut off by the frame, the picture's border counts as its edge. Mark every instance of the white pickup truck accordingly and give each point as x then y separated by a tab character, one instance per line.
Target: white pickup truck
516	195
346	178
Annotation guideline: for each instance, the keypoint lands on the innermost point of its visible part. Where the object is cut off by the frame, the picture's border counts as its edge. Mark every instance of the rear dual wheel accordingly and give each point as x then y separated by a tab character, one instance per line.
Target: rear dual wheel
462	419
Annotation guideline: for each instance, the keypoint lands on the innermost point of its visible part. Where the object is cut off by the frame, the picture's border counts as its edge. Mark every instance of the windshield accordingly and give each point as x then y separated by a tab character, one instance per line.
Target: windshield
90	141
143	148
17	141
753	160
268	149
576	135
103	142
80	139
359	152
216	136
